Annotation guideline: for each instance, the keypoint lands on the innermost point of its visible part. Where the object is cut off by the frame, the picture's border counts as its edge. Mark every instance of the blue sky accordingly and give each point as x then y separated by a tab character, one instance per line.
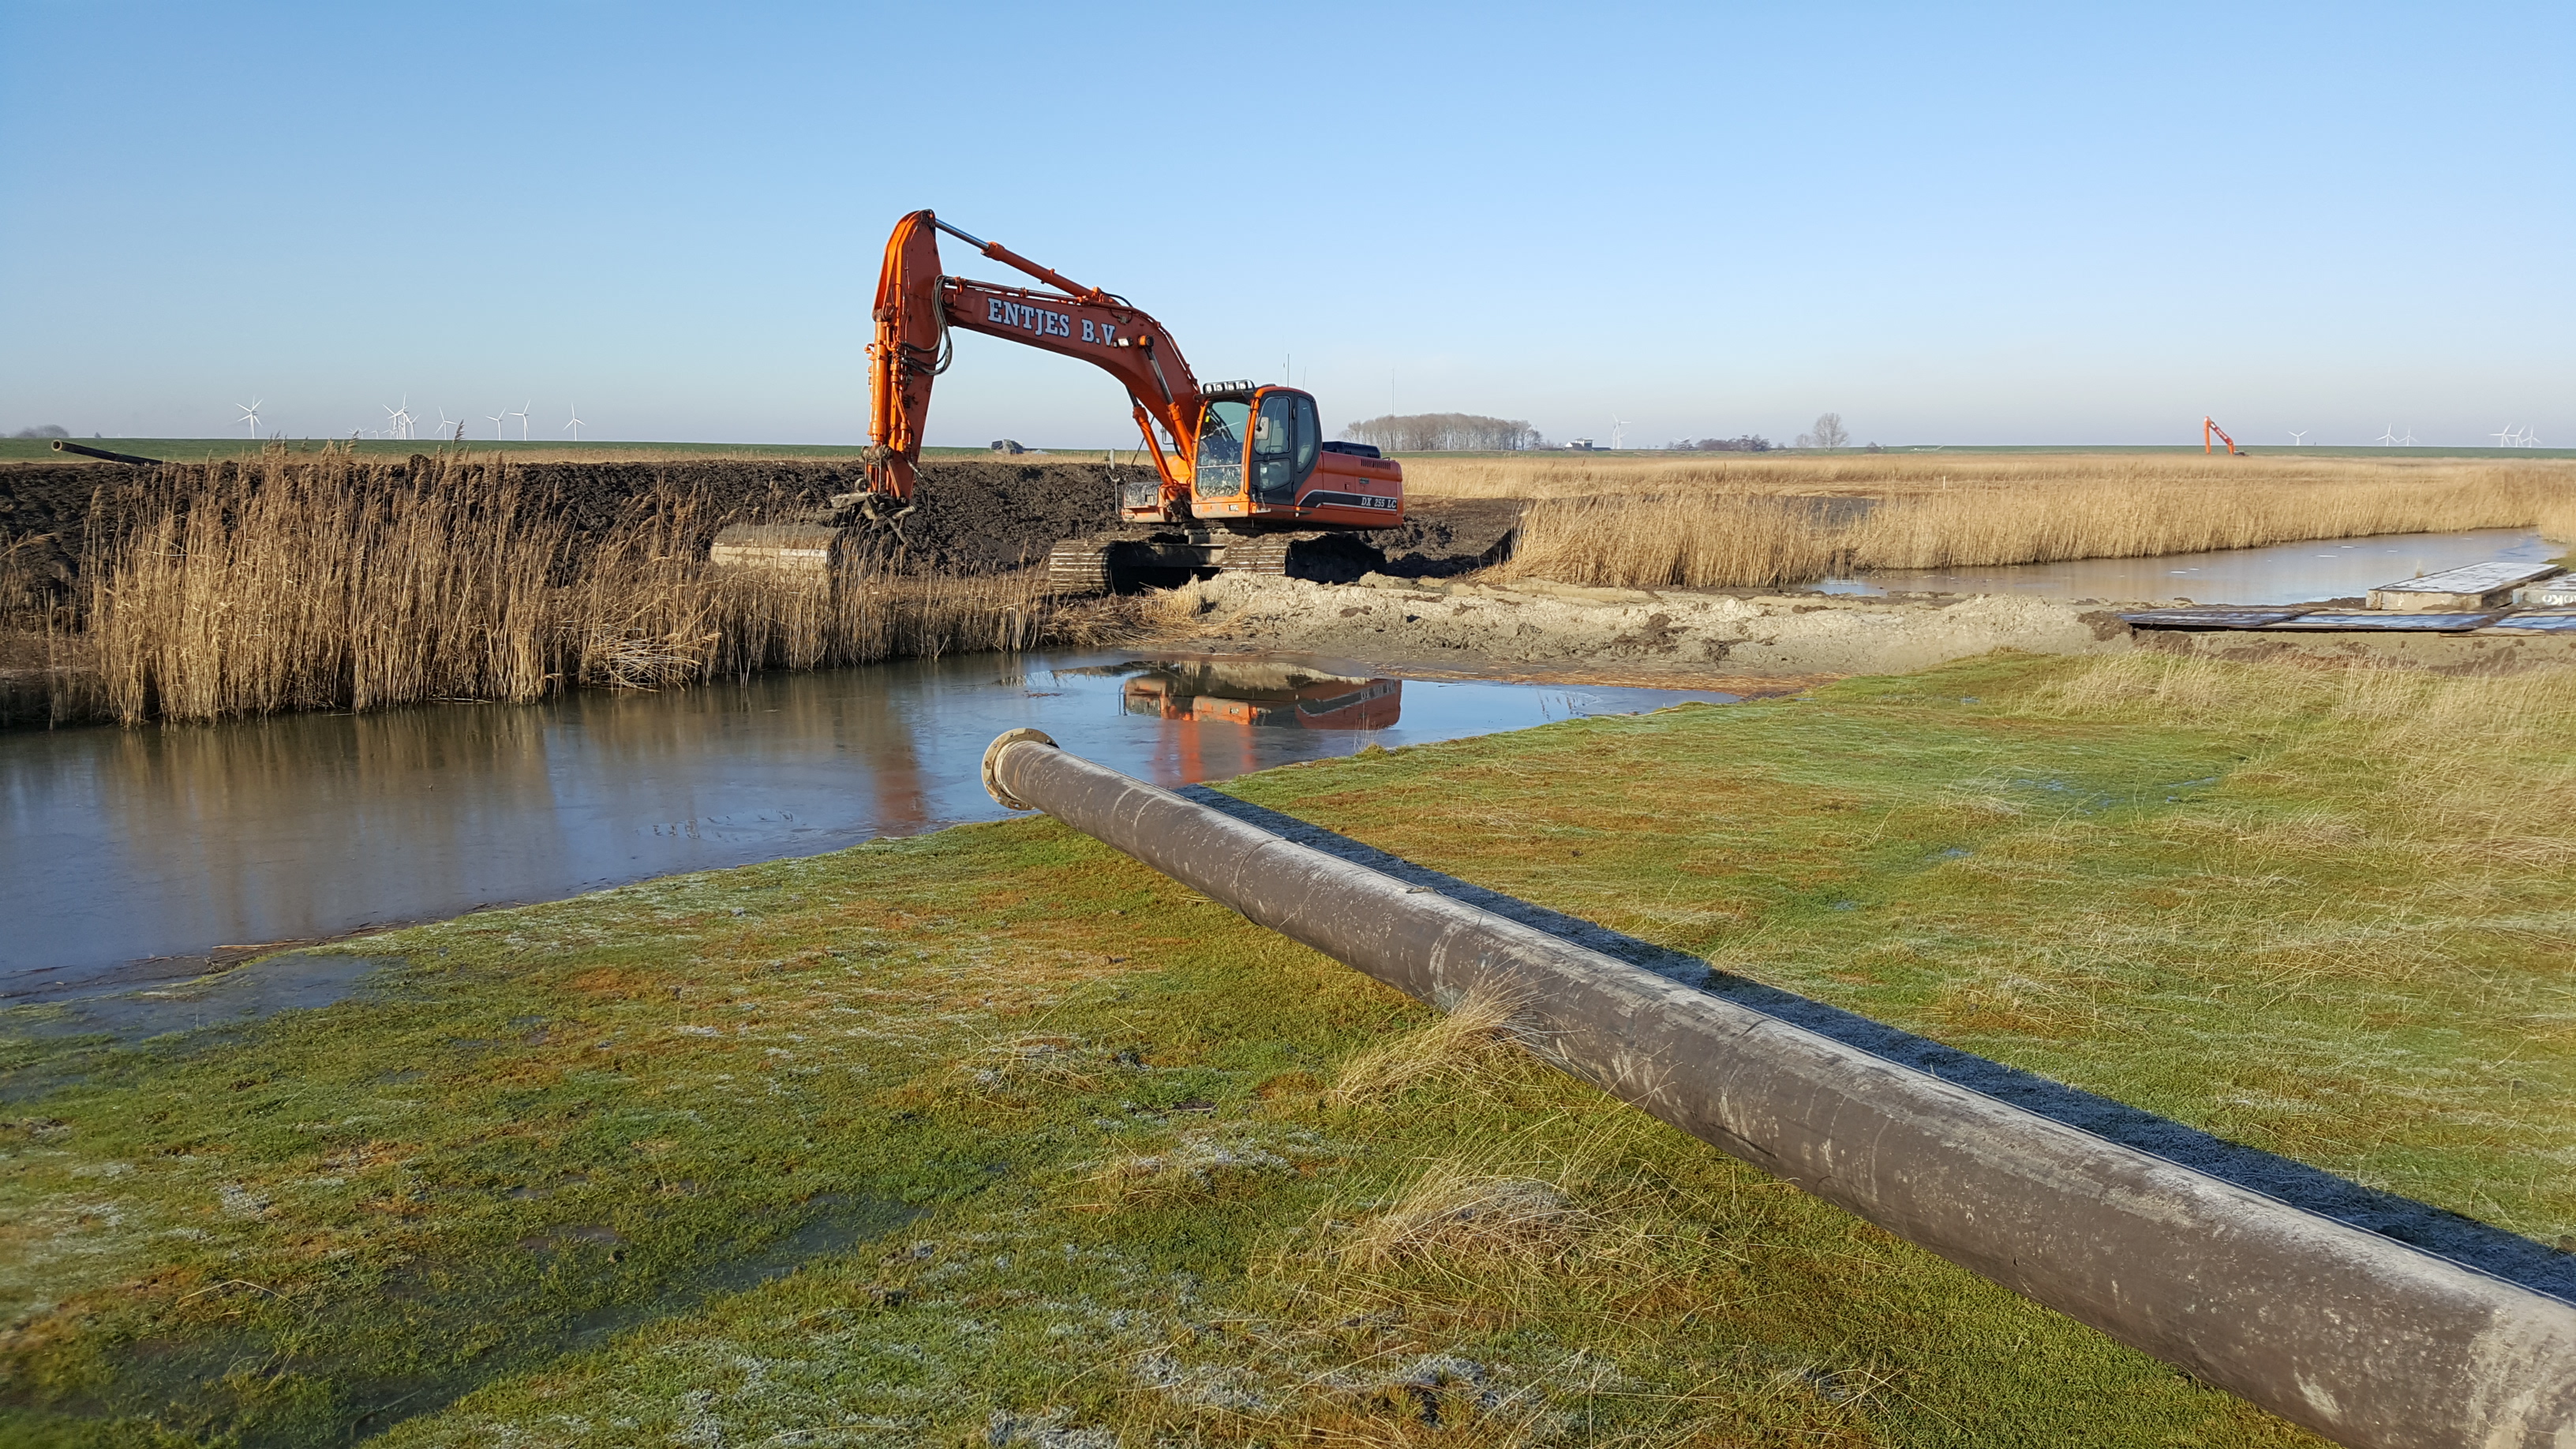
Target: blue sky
1975	224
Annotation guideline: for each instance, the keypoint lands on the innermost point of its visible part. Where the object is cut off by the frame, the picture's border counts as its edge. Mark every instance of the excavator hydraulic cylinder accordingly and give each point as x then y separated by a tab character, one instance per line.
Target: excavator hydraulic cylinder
2359	1337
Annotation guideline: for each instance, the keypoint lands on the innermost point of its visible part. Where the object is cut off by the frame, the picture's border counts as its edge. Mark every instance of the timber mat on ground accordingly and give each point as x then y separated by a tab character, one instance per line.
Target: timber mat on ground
994	1136
1761	522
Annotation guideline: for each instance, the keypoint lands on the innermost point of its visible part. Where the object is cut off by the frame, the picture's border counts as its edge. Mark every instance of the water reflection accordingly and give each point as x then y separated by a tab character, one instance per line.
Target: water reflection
1271	696
122	845
2290	573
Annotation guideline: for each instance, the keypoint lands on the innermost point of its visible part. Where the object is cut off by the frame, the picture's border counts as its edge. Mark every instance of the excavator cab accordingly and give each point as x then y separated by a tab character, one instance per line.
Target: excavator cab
1257	446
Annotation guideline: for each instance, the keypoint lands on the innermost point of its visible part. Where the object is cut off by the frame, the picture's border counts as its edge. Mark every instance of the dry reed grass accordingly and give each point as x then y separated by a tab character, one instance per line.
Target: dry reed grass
2476	768
1695	540
1461	1211
299	582
1737	522
1447	1050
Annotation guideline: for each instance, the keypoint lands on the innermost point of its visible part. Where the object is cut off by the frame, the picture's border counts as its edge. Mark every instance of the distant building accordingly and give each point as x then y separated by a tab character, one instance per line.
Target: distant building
1583	443
1007	445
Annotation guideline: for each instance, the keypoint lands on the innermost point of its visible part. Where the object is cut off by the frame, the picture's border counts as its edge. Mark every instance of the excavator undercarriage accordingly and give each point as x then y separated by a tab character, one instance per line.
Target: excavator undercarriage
1127	558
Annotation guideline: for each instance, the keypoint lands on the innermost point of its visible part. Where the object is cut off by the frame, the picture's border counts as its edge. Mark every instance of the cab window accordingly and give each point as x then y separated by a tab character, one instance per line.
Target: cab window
1275	473
1220	468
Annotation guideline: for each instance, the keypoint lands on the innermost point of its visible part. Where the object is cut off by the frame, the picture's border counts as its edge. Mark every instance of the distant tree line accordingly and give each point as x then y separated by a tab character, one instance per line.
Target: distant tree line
1444	433
1749	443
49	430
1829	433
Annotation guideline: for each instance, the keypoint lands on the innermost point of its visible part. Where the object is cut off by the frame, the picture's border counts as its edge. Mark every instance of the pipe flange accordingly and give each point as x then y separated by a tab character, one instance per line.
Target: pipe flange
993	756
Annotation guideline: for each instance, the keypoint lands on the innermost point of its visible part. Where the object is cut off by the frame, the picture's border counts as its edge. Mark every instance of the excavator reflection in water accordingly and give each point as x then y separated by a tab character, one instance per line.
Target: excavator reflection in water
1192	695
1272	695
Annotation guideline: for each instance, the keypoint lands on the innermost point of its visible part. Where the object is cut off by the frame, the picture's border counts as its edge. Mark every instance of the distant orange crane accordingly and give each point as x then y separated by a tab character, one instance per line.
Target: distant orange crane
2209	426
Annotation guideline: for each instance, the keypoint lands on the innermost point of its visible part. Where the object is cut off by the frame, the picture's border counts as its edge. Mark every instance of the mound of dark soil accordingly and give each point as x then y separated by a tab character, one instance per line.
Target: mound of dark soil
43	508
1445	536
972	516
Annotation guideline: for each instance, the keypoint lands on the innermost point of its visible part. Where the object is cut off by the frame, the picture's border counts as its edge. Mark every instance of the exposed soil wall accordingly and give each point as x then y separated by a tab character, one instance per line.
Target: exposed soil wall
974	517
971	516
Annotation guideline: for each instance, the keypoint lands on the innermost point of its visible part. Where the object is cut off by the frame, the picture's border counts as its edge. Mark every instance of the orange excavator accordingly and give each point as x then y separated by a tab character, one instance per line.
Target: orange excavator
2209	426
1242	472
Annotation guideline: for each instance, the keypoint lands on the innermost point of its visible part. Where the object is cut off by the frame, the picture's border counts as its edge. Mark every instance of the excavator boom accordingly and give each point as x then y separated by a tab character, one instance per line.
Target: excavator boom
917	304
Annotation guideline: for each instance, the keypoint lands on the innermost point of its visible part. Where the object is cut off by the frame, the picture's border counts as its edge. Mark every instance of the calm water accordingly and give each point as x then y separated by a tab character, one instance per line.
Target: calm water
118	846
2290	573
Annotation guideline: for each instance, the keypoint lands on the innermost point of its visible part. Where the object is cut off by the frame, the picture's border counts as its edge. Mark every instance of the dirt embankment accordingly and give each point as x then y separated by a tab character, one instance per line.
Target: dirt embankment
1745	641
1532	627
973	517
970	516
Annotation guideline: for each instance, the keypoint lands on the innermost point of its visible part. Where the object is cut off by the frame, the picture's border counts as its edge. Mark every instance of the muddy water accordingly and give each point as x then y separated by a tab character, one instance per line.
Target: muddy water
136	855
2290	573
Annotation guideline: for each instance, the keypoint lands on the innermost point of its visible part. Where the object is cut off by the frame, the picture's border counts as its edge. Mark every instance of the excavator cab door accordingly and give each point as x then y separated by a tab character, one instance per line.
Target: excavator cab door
1287	436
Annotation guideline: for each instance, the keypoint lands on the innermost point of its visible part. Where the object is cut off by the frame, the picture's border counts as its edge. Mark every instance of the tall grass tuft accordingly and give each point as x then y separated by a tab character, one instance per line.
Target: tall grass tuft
1692	541
2035	522
318	582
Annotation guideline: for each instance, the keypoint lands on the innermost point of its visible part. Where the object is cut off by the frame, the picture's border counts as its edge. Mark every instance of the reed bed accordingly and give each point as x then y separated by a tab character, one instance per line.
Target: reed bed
287	584
1696	540
1717	523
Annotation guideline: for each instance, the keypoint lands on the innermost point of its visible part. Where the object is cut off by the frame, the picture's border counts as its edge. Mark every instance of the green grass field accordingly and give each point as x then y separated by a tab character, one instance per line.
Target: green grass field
992	1134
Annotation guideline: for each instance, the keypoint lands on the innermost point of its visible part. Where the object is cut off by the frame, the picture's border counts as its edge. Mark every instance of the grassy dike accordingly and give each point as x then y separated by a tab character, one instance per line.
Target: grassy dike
993	1136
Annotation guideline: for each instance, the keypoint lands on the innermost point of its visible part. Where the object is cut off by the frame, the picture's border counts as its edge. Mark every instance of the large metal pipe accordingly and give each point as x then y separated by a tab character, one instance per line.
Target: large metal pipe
61	446
2363	1339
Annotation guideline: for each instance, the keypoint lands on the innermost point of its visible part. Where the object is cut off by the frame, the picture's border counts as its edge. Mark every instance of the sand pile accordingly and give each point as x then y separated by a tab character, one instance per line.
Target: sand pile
1568	630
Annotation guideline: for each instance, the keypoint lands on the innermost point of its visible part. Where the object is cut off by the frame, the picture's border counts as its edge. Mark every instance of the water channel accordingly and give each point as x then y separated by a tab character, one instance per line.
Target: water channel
2289	573
131	855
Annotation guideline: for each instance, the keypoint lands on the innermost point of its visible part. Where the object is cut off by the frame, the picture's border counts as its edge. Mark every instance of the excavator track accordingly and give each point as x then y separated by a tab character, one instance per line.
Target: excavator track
1260	553
1103	563
1080	566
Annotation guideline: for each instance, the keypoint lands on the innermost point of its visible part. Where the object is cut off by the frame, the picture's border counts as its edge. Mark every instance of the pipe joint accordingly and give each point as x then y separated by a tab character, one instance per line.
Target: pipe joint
993	759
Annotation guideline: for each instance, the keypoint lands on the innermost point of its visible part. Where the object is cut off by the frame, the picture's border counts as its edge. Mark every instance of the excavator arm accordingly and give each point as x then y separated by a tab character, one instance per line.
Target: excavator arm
917	304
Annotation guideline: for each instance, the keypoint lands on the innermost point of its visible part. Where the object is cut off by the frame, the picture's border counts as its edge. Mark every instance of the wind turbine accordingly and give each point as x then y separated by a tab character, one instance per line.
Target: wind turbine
399	420
444	426
522	416
574	427
495	420
2409	440
1618	427
2504	437
250	415
2299	439
2388	438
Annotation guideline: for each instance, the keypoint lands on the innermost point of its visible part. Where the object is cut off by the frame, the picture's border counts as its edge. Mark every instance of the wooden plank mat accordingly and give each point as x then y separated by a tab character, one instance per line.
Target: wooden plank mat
2389	623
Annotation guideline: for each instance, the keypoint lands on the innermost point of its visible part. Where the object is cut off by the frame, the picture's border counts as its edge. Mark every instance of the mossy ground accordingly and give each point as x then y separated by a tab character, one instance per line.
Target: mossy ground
995	1136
